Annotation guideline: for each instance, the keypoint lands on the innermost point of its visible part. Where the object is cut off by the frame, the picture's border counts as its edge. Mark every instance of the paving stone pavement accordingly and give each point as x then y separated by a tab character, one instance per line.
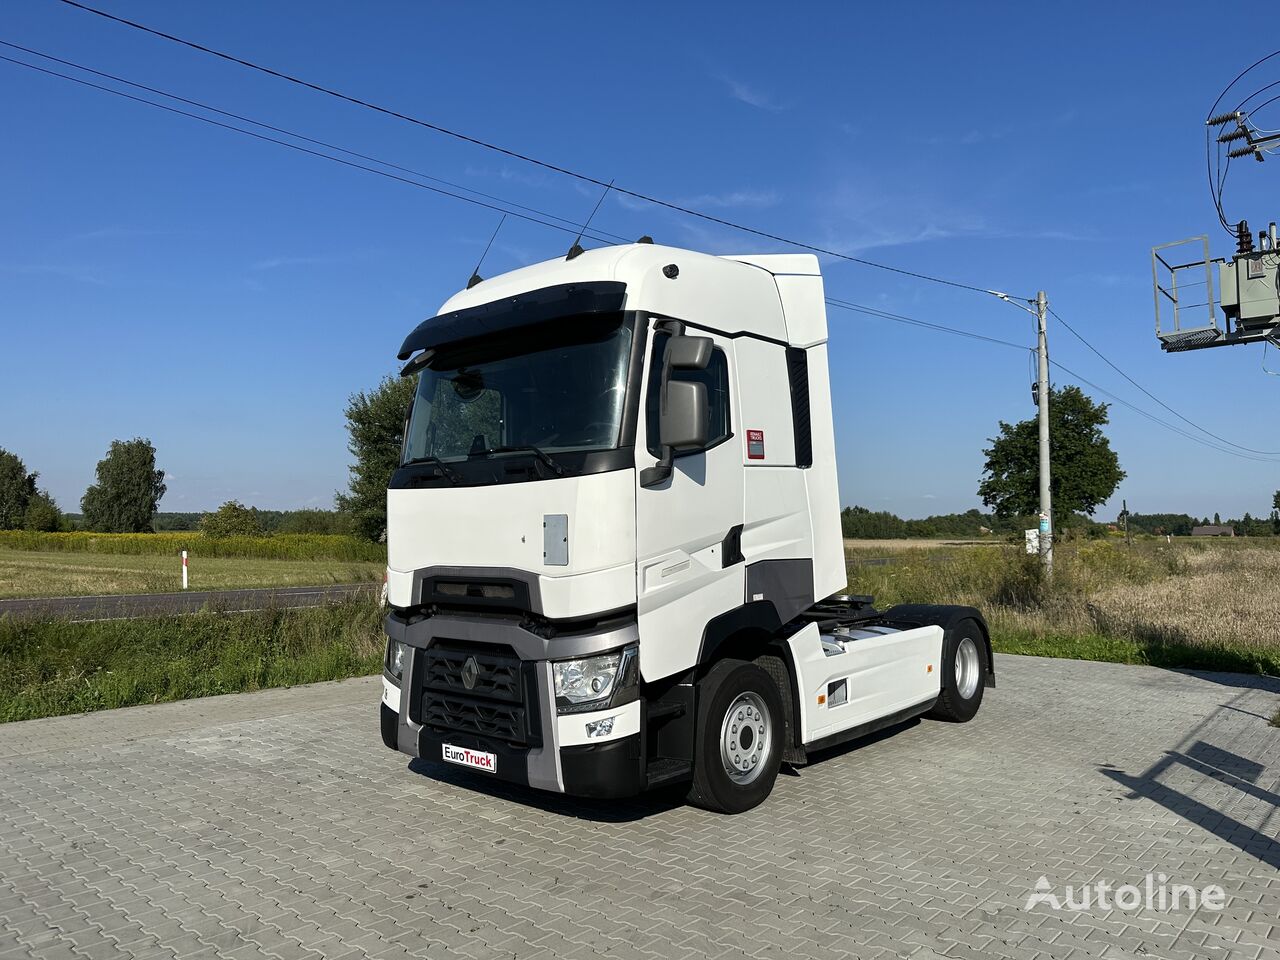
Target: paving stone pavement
277	825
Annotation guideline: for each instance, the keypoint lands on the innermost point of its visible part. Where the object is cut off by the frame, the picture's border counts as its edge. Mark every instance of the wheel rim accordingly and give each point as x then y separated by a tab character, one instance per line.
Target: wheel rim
968	672
746	734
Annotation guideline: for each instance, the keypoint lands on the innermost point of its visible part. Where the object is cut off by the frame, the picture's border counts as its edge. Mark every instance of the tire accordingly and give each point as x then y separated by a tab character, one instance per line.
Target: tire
964	673
390	721
736	701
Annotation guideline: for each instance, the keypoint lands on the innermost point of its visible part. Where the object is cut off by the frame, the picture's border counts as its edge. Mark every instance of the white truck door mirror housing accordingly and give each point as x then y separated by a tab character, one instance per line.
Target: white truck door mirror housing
682	412
689	353
682	423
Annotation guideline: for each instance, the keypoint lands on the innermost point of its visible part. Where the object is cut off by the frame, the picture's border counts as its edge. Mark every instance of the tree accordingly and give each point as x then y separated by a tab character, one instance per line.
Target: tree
311	520
42	513
1084	470
1217	520
232	519
375	422
129	487
17	487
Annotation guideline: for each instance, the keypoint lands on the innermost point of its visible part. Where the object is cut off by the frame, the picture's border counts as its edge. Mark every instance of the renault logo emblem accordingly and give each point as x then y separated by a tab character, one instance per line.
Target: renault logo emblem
470	670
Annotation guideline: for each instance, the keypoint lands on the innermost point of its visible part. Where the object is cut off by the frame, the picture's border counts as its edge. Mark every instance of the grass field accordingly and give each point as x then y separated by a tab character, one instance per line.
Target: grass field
90	564
1208	605
53	667
279	546
1190	604
40	573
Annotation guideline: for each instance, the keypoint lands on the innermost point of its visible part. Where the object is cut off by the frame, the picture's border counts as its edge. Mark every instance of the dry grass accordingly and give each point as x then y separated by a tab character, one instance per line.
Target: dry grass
854	546
1220	596
34	573
1215	606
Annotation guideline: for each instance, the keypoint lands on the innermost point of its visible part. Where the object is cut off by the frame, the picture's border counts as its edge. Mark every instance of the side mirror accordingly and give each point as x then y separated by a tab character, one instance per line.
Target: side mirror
689	353
682	423
682	410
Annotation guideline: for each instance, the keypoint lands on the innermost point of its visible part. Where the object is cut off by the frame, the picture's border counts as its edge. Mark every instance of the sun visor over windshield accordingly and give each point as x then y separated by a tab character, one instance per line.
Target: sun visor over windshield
513	313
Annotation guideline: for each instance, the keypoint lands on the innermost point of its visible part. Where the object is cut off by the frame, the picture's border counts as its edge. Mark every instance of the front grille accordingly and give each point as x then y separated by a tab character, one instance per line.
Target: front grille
497	674
494	705
466	715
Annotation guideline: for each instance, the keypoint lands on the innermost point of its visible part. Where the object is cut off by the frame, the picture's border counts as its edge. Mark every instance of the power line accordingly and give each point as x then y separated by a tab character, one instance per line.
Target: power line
289	133
1214	158
1156	420
543	219
514	154
912	321
1151	396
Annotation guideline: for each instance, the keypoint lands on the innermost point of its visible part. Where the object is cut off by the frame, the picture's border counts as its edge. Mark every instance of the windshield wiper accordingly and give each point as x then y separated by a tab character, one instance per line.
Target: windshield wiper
439	464
525	448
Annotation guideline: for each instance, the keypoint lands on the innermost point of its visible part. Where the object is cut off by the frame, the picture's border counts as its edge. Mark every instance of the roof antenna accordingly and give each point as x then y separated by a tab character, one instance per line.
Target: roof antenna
576	250
475	274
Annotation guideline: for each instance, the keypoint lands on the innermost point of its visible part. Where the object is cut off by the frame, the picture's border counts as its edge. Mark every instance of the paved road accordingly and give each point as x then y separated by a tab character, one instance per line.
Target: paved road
276	825
128	606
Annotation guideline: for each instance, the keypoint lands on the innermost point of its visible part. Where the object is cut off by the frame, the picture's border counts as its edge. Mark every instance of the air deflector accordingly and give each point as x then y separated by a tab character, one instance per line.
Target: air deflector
603	297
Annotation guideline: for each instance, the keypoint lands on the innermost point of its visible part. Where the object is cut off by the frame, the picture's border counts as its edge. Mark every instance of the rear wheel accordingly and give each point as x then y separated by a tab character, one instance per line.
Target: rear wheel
738	740
964	673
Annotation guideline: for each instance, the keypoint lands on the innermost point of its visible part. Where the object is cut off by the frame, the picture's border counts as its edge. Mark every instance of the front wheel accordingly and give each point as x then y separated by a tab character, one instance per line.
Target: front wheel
964	673
738	741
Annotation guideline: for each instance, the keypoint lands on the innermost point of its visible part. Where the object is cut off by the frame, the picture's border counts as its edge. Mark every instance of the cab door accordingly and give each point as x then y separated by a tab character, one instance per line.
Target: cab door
688	569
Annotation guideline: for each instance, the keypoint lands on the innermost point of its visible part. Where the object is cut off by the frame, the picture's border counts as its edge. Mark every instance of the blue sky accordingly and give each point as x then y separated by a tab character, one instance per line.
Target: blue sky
222	296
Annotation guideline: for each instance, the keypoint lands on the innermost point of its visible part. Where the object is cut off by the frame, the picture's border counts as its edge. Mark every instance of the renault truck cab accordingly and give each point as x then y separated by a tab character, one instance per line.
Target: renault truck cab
614	545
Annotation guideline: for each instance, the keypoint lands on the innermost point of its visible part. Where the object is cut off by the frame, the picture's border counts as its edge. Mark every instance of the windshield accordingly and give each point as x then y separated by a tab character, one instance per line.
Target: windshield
560	389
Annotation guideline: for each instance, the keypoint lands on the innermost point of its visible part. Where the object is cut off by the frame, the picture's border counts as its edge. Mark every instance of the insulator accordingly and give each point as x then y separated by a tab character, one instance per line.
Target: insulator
1242	151
1239	133
1222	118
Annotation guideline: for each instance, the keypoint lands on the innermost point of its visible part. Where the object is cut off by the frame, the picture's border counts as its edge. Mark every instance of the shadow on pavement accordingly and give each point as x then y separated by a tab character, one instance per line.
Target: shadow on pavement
626	810
1207	762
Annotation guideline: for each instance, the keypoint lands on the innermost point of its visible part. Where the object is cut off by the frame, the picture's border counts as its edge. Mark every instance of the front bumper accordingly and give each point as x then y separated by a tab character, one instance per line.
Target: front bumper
560	755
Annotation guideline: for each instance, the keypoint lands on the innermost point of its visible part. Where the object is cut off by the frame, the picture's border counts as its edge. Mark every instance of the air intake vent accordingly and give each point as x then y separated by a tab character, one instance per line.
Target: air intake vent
798	374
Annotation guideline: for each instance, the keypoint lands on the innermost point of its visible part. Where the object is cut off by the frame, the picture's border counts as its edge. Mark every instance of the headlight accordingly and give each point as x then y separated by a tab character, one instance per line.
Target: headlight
591	682
397	652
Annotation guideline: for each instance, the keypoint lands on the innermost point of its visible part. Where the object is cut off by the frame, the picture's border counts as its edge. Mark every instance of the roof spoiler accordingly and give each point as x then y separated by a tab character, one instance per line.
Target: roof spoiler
512	313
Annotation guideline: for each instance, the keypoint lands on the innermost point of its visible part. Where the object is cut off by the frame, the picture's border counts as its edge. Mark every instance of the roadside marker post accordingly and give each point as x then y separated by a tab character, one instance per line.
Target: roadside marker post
184	569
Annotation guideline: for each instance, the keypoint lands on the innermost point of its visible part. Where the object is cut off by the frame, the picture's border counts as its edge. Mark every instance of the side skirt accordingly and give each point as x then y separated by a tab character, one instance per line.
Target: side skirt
871	726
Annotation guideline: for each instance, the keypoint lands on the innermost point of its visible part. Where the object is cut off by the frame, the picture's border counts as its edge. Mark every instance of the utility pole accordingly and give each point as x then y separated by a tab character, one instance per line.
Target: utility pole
1046	504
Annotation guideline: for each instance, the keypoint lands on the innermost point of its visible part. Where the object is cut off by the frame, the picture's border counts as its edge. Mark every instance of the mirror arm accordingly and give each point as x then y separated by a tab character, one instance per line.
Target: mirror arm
652	476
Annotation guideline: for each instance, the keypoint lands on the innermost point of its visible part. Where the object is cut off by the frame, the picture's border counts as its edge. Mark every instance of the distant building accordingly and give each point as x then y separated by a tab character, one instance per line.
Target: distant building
1213	530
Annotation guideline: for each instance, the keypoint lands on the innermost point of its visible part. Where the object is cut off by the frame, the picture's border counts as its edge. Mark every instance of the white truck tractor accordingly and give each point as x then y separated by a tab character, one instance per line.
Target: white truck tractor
614	542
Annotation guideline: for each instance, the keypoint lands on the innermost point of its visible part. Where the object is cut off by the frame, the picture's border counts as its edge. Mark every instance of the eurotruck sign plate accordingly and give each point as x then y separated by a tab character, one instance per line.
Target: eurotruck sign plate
476	759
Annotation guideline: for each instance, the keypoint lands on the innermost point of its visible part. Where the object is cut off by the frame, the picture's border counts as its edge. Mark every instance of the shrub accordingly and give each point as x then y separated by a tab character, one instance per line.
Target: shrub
232	519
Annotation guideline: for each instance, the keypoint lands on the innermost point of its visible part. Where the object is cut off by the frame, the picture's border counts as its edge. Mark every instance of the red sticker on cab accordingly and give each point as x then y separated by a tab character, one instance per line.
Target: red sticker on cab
755	444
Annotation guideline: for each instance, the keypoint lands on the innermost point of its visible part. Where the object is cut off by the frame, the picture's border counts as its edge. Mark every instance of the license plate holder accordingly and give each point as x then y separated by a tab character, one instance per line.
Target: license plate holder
472	759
